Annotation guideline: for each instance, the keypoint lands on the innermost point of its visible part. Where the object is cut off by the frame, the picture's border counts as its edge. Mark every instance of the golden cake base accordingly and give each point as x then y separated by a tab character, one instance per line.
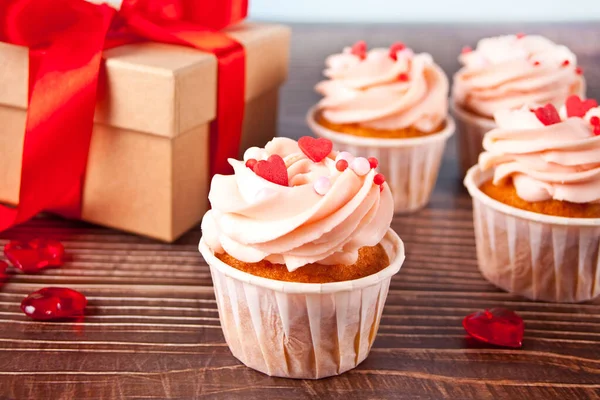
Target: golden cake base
370	261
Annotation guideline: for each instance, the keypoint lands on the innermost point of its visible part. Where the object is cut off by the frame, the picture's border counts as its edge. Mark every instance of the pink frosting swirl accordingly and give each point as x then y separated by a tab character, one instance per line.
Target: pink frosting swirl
559	161
382	93
253	219
508	72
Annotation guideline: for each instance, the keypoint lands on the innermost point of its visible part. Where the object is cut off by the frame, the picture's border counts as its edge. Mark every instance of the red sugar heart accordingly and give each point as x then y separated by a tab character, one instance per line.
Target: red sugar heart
273	170
577	107
315	149
547	114
34	255
395	48
497	326
359	49
54	303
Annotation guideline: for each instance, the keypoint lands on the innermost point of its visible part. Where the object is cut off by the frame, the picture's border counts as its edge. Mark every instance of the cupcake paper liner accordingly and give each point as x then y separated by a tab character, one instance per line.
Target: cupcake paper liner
470	130
534	255
301	330
410	166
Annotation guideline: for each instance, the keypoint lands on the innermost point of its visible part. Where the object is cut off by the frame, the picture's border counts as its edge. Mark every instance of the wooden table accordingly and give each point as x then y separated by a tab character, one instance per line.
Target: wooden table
153	331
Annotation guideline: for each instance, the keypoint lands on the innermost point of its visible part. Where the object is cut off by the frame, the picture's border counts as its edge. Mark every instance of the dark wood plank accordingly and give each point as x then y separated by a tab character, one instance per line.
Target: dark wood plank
153	330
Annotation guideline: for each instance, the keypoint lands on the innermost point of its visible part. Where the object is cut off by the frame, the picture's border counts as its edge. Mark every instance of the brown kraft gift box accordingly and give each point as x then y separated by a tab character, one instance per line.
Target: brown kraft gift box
148	166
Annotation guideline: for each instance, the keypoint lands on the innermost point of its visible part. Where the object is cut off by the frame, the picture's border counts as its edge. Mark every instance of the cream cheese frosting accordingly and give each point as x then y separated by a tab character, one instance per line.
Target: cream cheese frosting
254	219
384	92
508	72
559	161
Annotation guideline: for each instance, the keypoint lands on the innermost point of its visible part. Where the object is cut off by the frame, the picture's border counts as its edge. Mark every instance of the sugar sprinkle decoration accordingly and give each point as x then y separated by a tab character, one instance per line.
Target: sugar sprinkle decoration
322	185
359	49
379	179
395	48
360	166
466	49
341	165
373	162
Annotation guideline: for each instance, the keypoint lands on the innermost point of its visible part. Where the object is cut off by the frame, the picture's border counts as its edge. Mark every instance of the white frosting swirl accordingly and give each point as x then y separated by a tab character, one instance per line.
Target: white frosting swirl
508	72
253	219
382	93
559	161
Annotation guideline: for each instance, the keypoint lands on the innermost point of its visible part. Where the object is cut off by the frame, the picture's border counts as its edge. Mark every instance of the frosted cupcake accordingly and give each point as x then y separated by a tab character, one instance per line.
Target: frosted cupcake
536	198
391	104
301	255
508	72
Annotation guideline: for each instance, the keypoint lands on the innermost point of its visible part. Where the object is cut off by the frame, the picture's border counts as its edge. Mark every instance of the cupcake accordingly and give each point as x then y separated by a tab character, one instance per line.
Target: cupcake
301	255
536	201
390	104
508	72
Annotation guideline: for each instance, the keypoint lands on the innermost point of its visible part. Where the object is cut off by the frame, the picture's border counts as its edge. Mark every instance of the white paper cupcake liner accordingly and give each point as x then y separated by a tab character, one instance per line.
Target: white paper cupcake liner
470	130
534	255
410	166
301	330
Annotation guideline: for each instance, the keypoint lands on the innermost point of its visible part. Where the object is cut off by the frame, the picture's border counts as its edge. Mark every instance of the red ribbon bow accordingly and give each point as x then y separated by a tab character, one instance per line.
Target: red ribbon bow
66	39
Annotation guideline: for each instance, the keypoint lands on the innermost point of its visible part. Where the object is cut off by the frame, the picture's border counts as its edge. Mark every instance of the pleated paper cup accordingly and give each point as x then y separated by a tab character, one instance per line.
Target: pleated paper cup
470	130
538	256
301	330
410	166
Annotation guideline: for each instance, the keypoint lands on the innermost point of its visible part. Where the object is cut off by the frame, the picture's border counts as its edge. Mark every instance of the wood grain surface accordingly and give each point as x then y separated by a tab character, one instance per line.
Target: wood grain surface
152	329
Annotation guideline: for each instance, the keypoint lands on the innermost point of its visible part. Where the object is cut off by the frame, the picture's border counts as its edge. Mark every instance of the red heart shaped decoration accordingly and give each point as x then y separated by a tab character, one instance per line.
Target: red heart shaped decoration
547	114
3	267
315	149
273	170
359	49
54	303
34	255
497	326
577	107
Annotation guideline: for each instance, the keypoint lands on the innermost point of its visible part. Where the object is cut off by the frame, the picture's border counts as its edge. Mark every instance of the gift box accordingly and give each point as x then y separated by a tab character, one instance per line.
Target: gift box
148	165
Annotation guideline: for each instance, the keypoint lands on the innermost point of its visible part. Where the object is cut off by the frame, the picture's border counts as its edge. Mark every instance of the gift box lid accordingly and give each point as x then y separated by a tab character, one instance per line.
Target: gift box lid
162	89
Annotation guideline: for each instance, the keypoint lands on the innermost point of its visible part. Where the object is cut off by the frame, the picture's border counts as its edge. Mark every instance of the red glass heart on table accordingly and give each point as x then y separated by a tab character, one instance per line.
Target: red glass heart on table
273	170
54	303
315	149
497	326
35	254
3	267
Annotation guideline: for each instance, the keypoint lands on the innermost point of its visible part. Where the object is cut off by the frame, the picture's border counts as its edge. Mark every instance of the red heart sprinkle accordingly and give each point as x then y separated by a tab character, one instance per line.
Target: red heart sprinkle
547	114
379	179
497	326
520	35
54	303
595	120
577	107
341	165
403	77
251	163
579	71
359	49
315	149
597	130
373	162
395	48
536	63
34	255
273	170
566	63
466	49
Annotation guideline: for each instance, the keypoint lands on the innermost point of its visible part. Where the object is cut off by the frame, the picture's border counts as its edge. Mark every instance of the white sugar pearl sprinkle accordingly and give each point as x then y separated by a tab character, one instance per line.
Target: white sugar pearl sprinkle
344	155
360	166
322	185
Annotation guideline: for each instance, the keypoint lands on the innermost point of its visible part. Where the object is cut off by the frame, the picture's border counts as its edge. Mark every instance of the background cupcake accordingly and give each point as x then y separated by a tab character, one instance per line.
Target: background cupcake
301	257
508	72
536	196
390	104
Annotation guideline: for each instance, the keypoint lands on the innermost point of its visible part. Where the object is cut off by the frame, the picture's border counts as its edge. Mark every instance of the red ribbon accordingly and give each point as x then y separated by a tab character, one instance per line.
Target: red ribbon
66	39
